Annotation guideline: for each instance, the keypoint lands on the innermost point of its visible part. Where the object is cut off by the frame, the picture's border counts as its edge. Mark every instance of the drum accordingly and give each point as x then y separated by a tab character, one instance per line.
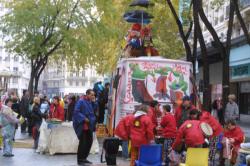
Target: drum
206	129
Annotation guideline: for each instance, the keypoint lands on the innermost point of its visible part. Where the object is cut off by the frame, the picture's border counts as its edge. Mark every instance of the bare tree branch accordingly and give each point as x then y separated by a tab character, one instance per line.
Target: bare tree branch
181	31
241	20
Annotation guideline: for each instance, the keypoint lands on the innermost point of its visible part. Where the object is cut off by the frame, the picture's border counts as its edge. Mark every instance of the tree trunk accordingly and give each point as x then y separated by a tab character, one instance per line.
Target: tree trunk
226	68
206	91
36	83
31	82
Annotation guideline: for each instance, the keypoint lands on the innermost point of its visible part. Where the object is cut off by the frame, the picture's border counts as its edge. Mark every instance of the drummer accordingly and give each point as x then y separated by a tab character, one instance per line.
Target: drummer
192	133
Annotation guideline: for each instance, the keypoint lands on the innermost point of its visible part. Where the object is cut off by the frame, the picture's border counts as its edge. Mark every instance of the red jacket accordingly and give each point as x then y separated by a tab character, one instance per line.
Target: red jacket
192	134
56	112
168	124
237	134
209	119
122	129
178	114
153	116
140	130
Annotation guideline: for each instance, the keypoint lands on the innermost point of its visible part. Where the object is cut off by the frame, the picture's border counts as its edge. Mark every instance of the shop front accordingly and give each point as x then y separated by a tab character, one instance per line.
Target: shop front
240	76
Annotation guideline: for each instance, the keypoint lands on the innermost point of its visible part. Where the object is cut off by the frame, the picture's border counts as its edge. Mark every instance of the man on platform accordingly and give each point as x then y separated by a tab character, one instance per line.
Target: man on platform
84	121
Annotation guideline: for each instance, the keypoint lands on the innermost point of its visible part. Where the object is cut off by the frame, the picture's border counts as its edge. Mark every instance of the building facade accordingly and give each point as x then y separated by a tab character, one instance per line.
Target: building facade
239	54
14	70
60	79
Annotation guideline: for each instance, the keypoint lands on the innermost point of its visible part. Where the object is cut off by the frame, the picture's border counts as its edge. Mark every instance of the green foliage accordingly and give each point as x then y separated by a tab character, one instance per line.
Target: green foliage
87	32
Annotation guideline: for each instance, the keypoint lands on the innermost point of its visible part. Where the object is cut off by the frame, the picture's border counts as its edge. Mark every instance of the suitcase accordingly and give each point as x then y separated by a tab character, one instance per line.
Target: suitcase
110	147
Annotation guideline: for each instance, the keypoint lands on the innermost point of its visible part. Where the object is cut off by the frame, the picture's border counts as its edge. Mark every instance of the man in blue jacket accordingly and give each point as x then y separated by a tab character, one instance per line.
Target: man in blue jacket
84	121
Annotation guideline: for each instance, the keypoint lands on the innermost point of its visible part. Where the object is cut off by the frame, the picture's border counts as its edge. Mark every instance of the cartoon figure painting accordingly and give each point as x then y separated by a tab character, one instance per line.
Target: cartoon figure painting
162	82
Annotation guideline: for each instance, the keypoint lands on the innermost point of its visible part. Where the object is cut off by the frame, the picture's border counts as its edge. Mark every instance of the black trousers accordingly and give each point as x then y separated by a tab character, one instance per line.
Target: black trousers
85	143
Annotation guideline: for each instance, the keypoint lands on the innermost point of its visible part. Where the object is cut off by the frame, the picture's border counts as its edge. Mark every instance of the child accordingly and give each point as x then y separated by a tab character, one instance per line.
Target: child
168	124
8	120
235	137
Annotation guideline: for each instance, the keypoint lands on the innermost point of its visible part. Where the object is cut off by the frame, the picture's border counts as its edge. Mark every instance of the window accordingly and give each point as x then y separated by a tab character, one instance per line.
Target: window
71	74
216	21
77	83
16	58
83	83
221	18
15	68
77	74
7	58
14	80
70	83
227	11
83	73
1	58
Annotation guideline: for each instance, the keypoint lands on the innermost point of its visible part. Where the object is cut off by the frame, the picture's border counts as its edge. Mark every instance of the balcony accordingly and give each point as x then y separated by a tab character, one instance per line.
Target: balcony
244	4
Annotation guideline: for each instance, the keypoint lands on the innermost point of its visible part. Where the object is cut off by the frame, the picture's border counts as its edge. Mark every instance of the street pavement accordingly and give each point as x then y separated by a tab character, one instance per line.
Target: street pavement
28	157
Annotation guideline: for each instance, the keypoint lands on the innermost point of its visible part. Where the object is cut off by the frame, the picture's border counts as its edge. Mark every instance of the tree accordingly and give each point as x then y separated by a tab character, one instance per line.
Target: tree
37	30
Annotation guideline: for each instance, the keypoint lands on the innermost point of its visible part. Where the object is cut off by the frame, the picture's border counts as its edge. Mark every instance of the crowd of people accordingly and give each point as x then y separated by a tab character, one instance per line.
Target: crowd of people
183	127
29	112
180	127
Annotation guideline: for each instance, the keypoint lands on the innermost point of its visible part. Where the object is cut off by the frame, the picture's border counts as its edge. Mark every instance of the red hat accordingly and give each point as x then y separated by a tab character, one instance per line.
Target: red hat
136	27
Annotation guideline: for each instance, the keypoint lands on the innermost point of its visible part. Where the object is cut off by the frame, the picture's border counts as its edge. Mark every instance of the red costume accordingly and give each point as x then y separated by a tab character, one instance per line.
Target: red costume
141	130
209	119
138	129
153	116
237	134
191	132
238	137
56	112
178	114
122	129
169	126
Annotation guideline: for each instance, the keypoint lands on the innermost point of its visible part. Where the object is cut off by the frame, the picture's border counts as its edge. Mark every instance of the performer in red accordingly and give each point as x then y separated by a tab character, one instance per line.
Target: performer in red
217	130
182	112
235	136
190	131
169	131
138	128
154	113
56	111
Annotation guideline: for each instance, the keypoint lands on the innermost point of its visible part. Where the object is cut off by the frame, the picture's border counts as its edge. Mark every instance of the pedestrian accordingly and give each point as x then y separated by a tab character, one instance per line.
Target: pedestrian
71	107
217	111
84	122
44	108
24	109
232	109
66	106
36	116
235	137
8	121
56	110
214	139
168	124
182	112
1	137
